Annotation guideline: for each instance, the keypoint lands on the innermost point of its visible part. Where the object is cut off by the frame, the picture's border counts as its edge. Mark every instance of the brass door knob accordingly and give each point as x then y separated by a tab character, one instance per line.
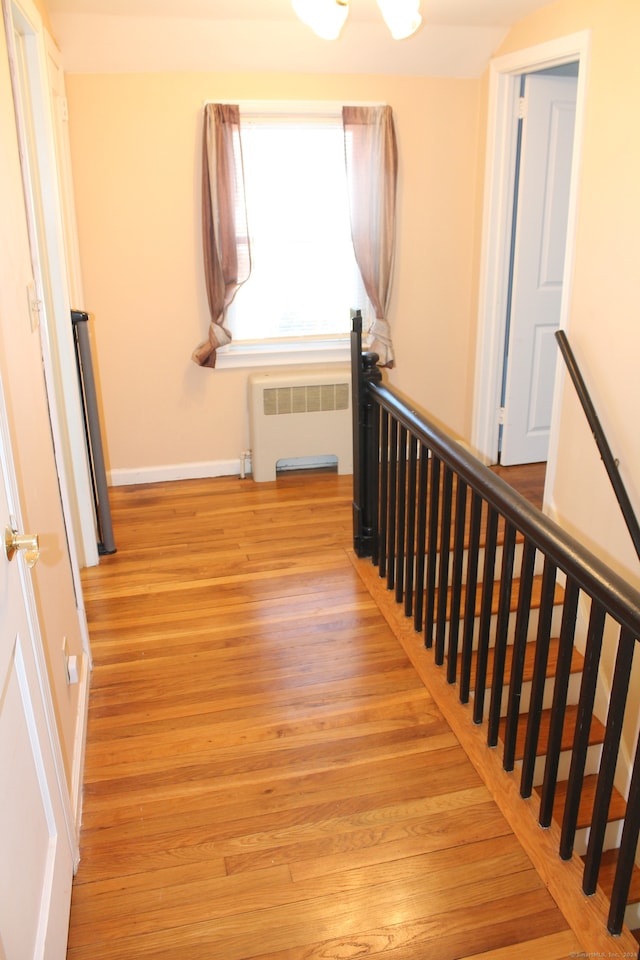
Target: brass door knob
27	543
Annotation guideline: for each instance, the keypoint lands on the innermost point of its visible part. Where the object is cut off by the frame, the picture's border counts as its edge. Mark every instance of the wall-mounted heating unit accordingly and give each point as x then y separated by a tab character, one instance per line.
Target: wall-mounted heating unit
298	412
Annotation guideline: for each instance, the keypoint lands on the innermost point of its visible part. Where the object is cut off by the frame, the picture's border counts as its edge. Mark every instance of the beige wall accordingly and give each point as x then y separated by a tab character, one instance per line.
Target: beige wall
604	322
135	143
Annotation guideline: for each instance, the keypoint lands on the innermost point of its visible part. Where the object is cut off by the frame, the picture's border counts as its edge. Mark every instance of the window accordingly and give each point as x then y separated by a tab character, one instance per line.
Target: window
304	276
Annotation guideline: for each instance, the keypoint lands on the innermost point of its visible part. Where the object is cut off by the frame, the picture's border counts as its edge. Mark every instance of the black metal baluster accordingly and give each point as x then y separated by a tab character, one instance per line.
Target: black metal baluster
432	550
402	513
502	633
384	492
443	572
470	595
543	636
558	706
518	654
373	482
411	526
456	580
627	852
393	503
610	752
423	479
583	728
486	613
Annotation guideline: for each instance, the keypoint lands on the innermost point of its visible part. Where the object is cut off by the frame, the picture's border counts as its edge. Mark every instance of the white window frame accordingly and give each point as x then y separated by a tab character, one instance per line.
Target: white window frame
260	353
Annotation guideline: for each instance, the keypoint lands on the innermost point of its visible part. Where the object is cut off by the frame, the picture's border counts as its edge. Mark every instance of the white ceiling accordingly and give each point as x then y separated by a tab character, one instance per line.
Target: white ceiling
453	13
457	37
458	13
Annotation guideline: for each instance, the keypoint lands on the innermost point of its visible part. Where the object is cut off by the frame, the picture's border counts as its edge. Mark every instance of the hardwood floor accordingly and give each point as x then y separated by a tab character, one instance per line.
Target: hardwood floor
527	478
266	775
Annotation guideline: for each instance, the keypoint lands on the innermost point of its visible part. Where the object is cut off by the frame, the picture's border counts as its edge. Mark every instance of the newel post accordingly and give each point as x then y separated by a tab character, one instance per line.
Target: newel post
364	371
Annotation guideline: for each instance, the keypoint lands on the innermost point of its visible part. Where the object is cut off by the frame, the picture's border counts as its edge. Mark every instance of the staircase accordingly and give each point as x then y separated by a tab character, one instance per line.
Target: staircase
618	805
493	603
479	679
425	655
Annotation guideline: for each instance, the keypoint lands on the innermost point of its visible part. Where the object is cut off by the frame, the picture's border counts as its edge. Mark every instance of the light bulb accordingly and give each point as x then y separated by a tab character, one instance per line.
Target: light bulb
401	16
325	17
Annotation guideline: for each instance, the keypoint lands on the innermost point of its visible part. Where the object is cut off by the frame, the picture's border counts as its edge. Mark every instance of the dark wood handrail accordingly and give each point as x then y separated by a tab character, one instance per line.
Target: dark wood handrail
592	574
610	462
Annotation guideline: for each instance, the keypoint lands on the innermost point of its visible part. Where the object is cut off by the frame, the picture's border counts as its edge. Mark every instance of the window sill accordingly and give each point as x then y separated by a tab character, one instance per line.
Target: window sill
282	353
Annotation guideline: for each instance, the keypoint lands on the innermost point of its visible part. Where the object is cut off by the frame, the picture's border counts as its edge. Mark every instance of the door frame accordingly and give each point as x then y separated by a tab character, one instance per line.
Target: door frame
50	309
504	91
25	656
53	278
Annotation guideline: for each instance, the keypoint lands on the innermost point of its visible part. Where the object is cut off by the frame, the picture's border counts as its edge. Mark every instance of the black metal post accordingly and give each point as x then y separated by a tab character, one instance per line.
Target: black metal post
364	370
106	543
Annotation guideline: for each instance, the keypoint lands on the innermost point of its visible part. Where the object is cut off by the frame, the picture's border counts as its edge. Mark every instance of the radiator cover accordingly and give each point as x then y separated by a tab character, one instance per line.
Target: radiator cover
300	412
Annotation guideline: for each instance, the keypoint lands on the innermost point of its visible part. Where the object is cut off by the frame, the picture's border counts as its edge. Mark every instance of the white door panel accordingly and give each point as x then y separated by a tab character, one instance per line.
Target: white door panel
36	859
542	361
540	242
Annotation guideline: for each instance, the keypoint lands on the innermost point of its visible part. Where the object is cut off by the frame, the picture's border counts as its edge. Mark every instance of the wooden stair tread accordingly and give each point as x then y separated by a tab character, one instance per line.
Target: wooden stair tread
533	495
577	662
617	807
608	866
500	529
596	733
536	593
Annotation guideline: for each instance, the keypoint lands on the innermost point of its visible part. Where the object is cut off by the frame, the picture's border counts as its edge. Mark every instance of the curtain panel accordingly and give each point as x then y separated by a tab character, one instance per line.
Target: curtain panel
226	248
371	156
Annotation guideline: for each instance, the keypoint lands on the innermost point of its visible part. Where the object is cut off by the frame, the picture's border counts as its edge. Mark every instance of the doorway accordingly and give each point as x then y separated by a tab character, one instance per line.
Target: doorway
542	185
507	76
31	370
38	83
41	711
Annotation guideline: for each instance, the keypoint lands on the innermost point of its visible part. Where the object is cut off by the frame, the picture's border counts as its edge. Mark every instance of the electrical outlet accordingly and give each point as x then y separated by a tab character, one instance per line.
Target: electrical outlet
71	664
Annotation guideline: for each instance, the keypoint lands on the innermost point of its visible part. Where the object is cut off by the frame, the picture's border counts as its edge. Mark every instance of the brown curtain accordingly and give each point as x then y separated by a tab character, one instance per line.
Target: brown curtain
372	172
227	255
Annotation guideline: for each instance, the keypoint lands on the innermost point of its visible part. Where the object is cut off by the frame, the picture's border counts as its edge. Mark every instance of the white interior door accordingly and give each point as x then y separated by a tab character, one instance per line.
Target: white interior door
538	266
36	860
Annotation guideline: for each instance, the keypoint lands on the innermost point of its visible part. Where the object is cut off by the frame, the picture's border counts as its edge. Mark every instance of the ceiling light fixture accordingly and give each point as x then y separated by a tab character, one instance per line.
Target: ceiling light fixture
327	17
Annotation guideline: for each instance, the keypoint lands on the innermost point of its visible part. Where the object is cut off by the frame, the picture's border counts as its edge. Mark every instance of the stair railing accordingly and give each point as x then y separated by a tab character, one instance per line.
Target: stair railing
610	462
420	502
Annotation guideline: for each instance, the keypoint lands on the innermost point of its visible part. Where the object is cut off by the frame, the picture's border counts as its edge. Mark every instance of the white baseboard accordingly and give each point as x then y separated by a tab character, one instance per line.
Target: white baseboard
174	471
209	468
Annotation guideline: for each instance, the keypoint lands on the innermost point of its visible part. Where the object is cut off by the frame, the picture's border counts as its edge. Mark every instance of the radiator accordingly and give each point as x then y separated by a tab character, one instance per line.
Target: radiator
300	412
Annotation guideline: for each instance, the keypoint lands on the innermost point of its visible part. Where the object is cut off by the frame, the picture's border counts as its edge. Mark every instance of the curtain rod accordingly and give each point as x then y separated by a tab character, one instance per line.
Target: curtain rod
291	106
